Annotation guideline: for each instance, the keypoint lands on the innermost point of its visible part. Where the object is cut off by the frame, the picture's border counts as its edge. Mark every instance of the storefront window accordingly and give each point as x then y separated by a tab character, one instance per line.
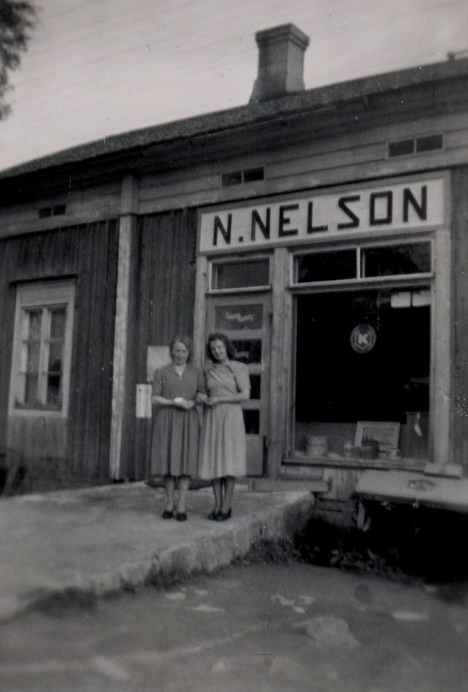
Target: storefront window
403	259
326	266
364	356
409	258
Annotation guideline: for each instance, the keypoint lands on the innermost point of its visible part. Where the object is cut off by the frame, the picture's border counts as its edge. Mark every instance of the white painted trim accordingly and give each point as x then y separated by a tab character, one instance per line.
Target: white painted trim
42	294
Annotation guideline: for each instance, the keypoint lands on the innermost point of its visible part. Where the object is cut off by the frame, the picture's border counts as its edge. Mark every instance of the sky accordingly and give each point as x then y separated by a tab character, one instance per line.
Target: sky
100	67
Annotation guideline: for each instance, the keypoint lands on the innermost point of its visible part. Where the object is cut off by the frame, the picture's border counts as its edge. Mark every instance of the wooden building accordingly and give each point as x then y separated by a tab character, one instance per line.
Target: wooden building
326	231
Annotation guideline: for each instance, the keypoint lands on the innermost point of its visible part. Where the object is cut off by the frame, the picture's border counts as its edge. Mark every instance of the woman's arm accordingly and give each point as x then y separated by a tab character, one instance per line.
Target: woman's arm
243	395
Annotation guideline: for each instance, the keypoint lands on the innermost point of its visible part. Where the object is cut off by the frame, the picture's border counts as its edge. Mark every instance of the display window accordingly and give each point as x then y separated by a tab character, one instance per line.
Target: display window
364	356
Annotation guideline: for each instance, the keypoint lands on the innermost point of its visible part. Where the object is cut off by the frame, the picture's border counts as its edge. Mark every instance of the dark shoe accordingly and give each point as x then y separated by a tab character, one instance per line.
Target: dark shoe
181	516
213	515
222	516
167	514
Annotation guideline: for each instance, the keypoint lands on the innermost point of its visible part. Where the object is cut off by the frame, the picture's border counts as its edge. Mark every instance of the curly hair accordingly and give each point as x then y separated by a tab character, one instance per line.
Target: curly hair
219	336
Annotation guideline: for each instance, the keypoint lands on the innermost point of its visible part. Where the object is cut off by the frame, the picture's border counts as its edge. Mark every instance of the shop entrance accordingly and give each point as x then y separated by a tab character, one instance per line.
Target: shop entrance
246	322
364	357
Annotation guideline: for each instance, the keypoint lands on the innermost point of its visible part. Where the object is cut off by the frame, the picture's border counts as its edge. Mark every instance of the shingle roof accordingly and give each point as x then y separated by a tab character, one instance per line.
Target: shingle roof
257	112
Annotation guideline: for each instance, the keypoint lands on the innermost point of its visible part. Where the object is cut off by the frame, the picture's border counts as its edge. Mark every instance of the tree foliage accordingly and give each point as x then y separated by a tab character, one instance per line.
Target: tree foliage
17	19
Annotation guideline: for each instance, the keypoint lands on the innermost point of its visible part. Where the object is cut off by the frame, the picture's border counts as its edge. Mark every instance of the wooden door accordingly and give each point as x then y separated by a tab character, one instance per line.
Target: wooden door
246	322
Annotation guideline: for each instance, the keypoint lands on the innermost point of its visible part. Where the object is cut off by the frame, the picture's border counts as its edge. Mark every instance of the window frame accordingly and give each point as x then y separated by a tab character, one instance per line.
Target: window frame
359	248
43	295
237	260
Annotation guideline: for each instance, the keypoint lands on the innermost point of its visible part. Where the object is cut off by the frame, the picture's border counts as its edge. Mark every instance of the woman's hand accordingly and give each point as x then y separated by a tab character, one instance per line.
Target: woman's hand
201	398
212	401
184	404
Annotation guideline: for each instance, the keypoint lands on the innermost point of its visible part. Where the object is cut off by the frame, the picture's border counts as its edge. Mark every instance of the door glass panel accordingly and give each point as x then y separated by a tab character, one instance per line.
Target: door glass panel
255	386
251	421
248	350
238	316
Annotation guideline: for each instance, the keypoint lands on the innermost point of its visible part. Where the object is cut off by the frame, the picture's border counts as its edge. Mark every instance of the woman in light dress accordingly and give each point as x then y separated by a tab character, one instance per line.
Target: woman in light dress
176	425
223	441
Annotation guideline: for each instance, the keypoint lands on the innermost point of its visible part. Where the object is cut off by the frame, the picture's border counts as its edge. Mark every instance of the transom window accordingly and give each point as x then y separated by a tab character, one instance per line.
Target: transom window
43	330
253	273
404	259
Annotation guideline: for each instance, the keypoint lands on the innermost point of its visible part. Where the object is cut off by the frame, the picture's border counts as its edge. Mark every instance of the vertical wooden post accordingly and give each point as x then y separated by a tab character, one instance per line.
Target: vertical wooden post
280	370
127	226
200	311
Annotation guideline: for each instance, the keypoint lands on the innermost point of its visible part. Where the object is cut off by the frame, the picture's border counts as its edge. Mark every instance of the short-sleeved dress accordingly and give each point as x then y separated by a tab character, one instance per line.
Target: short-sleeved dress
174	450
223	441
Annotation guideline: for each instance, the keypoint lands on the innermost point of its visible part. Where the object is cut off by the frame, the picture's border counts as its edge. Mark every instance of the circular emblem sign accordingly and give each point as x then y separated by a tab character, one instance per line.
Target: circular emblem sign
363	338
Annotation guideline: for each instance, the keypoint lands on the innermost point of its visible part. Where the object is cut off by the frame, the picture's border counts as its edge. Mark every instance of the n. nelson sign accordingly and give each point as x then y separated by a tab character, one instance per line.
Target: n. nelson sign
411	205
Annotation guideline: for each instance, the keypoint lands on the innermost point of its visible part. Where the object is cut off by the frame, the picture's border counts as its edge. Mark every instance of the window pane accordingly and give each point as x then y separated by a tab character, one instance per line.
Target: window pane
248	350
429	143
413	258
241	274
32	361
326	266
228	317
54	394
30	393
34	318
57	323
402	148
55	357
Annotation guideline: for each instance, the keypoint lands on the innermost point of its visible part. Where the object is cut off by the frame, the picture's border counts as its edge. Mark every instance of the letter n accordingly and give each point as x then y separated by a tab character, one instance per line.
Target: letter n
419	208
225	232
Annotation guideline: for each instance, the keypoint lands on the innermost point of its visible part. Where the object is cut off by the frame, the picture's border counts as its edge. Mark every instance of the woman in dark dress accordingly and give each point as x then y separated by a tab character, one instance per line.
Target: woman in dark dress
176	425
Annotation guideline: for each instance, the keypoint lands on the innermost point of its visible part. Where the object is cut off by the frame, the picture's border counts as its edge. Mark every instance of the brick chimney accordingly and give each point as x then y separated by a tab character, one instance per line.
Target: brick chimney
280	62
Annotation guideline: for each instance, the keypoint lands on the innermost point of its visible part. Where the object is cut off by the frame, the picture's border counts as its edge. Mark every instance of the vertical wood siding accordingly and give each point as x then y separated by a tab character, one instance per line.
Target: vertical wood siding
89	253
460	327
163	306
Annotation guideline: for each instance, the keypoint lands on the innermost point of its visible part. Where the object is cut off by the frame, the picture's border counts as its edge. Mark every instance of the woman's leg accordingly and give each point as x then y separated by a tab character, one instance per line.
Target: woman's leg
169	485
218	493
229	484
182	499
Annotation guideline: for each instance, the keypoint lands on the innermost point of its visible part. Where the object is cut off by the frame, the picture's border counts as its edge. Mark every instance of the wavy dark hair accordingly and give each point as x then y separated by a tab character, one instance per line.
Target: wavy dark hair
219	336
182	339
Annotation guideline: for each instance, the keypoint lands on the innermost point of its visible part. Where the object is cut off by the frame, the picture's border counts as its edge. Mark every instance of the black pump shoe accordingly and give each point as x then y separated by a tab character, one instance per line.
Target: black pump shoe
181	516
213	516
222	516
167	514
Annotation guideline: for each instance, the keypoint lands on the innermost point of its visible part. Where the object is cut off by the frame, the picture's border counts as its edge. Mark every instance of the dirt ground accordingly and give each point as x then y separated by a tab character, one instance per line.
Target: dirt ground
257	627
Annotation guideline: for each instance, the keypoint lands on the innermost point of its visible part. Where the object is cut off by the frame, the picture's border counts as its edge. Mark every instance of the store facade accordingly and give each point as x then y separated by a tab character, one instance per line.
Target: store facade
336	301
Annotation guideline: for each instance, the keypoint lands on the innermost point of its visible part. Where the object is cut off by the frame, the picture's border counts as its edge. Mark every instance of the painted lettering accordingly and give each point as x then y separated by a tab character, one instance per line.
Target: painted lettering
264	226
285	220
387	218
310	220
225	232
419	208
343	205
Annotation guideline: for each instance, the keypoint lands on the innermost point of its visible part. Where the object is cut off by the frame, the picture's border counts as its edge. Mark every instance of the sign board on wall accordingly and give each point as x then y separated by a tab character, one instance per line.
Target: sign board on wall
414	204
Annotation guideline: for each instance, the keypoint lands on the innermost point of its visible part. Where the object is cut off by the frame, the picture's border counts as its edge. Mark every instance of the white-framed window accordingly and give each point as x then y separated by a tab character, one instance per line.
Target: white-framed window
40	374
235	275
